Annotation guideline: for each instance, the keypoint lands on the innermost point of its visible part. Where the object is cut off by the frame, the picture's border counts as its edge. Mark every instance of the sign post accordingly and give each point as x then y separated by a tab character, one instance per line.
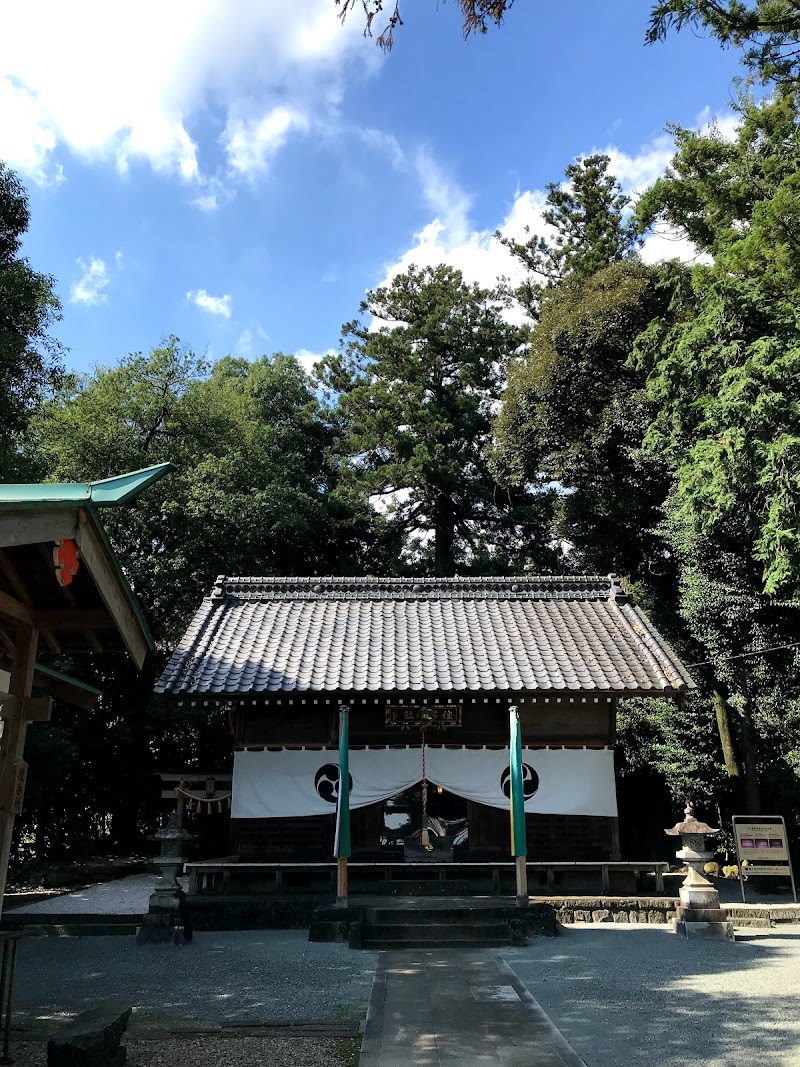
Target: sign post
762	848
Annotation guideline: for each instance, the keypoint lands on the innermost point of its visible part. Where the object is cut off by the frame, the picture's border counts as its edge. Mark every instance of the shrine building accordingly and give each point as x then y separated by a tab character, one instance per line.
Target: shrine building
428	669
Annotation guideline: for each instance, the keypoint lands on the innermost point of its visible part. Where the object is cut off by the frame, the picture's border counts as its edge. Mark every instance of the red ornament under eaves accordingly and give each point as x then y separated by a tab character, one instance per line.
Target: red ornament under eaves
66	556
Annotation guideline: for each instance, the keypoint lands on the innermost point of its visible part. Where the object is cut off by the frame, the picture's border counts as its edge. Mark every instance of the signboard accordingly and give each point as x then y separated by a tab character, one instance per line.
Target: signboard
762	848
433	716
12	804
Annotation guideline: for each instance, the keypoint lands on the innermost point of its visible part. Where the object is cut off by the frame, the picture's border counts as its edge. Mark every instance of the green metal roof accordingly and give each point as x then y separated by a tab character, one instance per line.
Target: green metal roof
59	676
105	493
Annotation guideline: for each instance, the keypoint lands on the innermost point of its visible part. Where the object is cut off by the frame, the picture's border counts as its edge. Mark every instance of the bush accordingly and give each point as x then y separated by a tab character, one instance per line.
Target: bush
731	872
713	869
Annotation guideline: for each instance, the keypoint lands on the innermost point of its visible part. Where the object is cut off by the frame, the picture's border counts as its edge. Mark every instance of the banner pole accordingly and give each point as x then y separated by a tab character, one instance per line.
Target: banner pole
519	847
342	842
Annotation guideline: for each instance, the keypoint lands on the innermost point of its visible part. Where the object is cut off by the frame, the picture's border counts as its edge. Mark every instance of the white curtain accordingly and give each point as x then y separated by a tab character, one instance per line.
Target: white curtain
305	782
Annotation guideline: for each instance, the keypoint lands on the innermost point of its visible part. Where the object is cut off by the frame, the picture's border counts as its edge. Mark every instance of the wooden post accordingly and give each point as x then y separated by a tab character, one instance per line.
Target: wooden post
343	807
12	743
519	848
522	882
341	880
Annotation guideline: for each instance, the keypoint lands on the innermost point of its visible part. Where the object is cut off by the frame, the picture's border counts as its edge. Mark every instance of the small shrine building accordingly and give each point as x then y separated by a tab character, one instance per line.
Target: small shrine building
428	669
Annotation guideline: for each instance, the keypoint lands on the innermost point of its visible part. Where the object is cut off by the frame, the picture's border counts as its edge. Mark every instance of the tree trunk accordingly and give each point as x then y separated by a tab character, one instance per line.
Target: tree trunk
747	734
726	737
444	539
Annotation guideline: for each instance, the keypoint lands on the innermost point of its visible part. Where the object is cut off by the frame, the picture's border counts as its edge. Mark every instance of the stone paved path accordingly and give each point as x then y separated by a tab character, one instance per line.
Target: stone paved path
457	1008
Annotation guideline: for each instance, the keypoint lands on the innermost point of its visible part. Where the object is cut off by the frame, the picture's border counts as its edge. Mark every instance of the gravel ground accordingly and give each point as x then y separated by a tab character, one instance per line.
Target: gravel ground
220	1051
245	976
123	896
642	997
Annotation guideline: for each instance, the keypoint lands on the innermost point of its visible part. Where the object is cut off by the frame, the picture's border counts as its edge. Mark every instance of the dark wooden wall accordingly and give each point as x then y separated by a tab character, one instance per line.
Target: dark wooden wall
569	719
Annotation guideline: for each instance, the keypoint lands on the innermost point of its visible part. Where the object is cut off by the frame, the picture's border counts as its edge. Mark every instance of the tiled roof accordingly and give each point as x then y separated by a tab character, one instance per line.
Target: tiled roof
268	635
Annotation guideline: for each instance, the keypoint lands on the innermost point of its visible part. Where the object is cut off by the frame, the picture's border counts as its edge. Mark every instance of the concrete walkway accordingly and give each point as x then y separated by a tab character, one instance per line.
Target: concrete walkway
461	1008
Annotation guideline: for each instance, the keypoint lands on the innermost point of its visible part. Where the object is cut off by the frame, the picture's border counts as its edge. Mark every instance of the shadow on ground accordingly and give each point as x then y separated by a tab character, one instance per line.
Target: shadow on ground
636	996
220	978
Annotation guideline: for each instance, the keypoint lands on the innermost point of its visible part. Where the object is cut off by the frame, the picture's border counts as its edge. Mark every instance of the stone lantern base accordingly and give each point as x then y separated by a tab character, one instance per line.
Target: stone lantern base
699	913
166	922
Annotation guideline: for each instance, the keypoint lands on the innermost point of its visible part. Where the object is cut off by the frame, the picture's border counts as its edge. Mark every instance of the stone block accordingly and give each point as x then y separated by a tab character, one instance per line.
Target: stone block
620	916
602	915
703	930
582	916
655	916
91	1040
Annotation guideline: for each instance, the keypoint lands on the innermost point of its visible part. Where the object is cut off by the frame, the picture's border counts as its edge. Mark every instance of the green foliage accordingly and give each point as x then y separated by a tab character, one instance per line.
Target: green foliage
414	392
574	416
590	228
252	494
768	30
29	358
724	367
678	742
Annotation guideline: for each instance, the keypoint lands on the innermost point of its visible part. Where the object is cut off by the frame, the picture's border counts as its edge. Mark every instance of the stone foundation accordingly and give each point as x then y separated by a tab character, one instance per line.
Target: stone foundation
655	910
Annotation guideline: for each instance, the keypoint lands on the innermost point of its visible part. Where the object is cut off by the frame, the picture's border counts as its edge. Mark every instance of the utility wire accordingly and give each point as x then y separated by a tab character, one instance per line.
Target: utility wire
744	655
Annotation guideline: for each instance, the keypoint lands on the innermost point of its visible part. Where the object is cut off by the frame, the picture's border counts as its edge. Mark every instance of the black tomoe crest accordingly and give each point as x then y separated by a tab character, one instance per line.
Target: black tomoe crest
326	782
530	781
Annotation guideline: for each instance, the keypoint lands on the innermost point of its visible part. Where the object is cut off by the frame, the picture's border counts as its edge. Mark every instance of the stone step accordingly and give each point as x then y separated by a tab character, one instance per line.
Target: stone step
759	923
379	944
14	920
455	916
437	932
104	929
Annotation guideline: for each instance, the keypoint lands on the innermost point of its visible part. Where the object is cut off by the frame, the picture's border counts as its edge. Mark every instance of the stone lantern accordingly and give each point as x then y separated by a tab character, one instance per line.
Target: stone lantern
166	920
699	913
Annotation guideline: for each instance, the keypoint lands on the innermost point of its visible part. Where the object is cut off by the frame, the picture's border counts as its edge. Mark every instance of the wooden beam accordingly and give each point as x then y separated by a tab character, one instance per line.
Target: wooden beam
14	580
34	709
96	558
28	527
15	610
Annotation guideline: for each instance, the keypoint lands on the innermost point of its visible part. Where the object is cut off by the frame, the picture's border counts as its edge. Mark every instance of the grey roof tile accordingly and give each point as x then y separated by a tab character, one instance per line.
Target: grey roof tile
459	634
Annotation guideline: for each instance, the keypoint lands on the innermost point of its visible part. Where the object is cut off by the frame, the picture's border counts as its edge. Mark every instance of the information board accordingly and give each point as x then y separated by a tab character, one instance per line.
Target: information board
762	848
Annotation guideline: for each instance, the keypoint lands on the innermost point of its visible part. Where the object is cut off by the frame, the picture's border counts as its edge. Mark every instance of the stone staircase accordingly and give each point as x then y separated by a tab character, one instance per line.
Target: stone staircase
72	924
455	927
431	923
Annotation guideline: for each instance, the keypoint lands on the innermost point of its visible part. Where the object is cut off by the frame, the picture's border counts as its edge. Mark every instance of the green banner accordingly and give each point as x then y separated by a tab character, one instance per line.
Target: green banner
518	843
342	843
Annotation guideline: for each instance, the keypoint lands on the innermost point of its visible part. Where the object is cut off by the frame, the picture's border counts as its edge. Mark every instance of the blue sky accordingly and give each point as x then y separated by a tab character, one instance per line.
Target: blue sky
239	172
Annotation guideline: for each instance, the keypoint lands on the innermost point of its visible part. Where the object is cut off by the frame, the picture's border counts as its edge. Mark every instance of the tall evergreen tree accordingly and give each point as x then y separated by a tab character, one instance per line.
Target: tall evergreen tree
415	388
590	226
29	358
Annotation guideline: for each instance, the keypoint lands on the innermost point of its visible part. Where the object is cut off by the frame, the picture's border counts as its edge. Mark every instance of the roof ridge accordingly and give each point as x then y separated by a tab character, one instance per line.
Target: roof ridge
564	586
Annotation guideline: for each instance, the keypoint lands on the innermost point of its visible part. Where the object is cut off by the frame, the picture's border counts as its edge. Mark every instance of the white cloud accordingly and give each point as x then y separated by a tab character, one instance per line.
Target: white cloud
445	197
90	287
479	254
252	144
308	360
244	345
669	242
125	82
214	305
635	173
449	238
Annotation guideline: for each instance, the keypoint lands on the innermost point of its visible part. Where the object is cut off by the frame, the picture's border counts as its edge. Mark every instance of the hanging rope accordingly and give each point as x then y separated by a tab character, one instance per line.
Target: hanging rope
199	802
424	836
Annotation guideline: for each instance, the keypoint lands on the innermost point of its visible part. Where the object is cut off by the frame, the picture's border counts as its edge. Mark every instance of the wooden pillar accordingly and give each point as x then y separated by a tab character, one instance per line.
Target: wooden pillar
341	880
12	743
522	882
